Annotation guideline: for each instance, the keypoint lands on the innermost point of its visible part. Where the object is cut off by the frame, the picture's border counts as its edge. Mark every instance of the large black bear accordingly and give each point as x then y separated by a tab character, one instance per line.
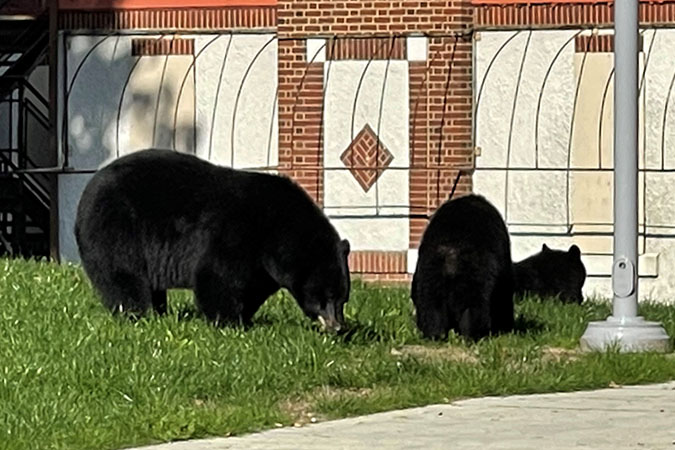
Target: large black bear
464	277
552	273
158	219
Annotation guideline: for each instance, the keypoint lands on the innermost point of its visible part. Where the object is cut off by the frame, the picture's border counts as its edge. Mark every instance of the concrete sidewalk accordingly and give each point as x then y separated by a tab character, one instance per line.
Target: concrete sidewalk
639	417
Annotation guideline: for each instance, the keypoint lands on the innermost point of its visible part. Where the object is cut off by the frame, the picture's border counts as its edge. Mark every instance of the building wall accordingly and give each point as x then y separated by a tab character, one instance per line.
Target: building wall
544	126
354	83
217	101
552	14
379	112
438	58
106	5
323	90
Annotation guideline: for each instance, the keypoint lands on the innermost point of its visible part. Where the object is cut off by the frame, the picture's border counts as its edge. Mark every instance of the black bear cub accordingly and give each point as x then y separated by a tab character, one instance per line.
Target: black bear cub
464	278
552	273
158	219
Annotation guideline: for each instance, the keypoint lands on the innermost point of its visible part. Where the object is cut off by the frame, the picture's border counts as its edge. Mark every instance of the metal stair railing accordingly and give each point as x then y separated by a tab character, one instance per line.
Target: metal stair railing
35	184
29	58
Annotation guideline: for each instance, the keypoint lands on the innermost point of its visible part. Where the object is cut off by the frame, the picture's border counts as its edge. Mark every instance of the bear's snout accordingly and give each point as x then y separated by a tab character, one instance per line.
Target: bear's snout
330	319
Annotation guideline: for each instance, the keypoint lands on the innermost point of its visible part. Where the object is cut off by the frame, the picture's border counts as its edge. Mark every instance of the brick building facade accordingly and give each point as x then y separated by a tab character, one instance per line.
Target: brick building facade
440	97
375	107
424	44
543	124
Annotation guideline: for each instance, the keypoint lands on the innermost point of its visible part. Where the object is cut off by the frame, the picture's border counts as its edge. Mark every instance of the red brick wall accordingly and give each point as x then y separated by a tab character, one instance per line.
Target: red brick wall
88	5
155	47
378	266
300	117
385	278
440	127
440	89
366	48
311	17
378	262
558	14
218	19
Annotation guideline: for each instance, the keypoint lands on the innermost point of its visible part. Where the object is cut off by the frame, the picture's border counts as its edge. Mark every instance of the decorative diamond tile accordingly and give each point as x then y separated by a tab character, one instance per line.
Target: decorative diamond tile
366	159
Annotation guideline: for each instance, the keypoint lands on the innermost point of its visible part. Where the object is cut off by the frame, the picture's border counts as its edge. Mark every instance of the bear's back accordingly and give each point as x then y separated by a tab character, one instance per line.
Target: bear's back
162	195
157	180
551	273
466	221
157	184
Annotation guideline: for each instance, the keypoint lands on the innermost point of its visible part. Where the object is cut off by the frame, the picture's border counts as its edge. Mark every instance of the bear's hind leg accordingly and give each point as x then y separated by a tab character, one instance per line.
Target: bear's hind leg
126	293
432	316
475	322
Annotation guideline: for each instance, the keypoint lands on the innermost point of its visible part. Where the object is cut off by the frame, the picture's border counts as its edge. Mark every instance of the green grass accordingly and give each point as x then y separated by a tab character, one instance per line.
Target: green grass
74	377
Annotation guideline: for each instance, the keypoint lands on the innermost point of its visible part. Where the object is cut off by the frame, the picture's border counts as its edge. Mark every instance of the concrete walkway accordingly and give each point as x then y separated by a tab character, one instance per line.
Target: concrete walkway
639	417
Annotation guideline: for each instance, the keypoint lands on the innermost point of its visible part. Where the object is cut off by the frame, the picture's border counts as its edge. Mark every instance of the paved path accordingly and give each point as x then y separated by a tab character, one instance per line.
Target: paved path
639	417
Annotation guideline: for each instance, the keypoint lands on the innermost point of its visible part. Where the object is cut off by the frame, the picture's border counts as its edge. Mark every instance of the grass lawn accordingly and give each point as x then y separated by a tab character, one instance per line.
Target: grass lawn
74	377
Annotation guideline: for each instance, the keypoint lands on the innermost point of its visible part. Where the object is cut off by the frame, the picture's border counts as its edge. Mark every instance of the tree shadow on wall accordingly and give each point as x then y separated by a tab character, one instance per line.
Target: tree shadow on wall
120	101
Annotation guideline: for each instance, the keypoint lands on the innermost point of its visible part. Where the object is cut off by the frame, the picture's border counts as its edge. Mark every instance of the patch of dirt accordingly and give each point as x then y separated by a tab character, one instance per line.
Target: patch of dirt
558	354
300	411
430	354
329	392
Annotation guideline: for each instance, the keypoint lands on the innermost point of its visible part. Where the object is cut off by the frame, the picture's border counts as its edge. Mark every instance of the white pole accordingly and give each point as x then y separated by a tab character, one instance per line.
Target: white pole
624	327
625	269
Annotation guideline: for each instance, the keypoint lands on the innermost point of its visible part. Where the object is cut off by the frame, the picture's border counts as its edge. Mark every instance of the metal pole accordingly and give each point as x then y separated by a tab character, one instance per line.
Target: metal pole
625	268
624	328
53	130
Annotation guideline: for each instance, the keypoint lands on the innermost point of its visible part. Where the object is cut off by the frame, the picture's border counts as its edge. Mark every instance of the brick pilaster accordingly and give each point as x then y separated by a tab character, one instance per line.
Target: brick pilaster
300	117
440	93
440	127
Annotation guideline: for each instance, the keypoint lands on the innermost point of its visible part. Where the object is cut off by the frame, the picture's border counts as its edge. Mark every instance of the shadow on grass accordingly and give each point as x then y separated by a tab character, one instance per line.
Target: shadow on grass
527	325
187	313
190	313
360	333
356	333
365	333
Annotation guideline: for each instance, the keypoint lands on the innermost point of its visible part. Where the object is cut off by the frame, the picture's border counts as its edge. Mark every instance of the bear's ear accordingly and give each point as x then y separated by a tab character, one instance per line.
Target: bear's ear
344	247
574	251
544	248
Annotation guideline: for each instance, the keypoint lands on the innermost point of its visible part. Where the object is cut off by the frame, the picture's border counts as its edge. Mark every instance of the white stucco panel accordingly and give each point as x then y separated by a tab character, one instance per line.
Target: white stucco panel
149	106
97	71
348	109
237	71
70	189
537	197
119	103
660	102
491	184
660	202
540	201
316	50
529	130
385	234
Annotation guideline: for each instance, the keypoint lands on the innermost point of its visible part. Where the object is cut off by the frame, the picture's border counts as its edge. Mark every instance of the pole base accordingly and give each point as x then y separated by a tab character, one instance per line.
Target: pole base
632	334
